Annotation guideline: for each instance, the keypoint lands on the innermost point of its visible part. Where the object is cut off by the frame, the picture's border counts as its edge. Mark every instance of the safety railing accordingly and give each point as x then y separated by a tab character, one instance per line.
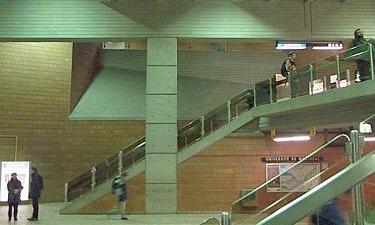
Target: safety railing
287	181
305	81
356	205
187	135
352	66
105	170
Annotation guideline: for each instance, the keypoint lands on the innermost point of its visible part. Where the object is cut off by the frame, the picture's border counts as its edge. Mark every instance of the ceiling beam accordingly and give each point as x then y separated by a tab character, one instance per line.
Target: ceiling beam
309	1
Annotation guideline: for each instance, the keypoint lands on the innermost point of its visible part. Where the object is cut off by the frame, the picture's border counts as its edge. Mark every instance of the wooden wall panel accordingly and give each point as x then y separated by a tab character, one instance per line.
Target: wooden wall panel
108	202
35	82
212	179
85	65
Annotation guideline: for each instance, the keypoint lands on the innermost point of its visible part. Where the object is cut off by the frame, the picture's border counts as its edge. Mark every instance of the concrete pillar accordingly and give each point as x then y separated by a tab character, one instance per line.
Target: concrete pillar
161	126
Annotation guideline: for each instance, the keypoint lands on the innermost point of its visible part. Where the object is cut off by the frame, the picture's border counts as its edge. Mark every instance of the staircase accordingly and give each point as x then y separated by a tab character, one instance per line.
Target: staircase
323	193
258	108
192	138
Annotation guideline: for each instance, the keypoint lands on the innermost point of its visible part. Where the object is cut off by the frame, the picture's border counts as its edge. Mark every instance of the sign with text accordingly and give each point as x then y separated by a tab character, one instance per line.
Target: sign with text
301	178
23	174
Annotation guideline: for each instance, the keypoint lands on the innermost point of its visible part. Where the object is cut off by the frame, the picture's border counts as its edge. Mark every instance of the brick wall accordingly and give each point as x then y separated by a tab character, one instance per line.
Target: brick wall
108	202
212	179
35	81
85	65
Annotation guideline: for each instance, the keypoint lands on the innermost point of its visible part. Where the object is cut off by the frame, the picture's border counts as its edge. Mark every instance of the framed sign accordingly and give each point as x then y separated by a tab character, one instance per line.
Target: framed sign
23	173
302	178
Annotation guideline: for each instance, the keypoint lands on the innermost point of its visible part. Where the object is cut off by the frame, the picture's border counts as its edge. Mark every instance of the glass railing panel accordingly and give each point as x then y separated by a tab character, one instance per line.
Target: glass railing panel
242	103
197	129
103	172
369	182
106	169
287	181
263	92
133	156
355	65
300	82
325	75
189	134
79	185
369	198
282	88
216	119
273	89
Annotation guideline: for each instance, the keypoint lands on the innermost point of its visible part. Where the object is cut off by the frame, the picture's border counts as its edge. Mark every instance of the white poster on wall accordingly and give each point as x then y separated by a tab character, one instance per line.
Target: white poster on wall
23	174
302	178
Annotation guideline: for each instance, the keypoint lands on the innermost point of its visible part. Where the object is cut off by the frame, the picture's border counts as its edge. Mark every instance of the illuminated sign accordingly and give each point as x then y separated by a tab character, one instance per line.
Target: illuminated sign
327	46
23	174
290	45
316	45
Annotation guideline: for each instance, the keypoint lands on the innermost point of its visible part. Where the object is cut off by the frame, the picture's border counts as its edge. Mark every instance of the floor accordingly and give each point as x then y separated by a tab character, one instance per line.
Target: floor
49	215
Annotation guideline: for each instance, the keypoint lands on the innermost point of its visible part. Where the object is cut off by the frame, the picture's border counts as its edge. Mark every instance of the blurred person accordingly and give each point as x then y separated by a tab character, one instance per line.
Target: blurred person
329	214
120	188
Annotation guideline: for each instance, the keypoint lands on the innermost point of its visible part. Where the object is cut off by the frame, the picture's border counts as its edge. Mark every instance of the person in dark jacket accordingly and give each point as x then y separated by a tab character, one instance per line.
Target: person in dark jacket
36	188
14	196
363	66
120	189
330	214
289	65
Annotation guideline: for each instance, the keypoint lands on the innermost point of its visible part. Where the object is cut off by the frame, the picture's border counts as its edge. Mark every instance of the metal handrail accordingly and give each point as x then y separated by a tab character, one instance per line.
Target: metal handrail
193	122
368	118
291	192
292	167
211	218
76	182
359	46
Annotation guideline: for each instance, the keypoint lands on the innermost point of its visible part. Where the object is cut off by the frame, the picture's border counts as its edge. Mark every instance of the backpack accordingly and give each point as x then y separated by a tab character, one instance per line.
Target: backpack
284	70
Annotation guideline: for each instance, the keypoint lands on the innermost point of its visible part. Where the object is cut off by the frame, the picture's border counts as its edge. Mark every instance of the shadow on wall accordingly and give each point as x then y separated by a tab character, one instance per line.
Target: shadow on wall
118	94
277	12
151	14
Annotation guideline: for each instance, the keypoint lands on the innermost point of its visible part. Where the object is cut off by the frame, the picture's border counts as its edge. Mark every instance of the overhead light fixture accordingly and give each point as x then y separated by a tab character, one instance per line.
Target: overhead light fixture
316	45
293	137
285	45
327	46
115	45
370	139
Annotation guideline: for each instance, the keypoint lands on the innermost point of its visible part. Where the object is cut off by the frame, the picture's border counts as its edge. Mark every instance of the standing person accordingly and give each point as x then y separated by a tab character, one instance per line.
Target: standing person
289	65
14	196
289	69
358	38
121	190
36	188
363	66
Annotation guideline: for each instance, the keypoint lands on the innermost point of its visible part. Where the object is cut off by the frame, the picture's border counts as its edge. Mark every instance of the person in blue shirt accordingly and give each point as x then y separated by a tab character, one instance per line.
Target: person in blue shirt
120	188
